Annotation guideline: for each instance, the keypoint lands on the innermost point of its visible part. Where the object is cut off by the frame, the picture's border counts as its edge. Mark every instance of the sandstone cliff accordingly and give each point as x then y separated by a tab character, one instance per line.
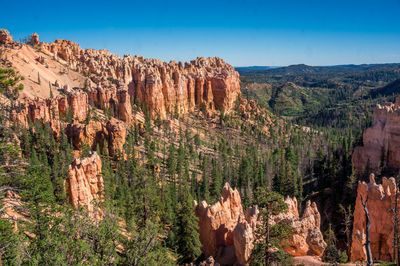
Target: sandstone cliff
227	233
113	82
381	141
62	81
381	199
173	87
85	184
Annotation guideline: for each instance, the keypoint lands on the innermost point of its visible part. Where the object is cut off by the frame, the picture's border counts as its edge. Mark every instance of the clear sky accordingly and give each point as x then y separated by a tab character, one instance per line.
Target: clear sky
243	32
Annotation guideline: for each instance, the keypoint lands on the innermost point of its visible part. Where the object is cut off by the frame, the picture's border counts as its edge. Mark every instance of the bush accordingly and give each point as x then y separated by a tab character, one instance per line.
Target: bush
332	255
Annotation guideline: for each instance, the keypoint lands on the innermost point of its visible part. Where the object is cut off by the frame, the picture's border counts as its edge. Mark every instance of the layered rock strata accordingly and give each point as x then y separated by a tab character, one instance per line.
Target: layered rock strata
88	82
161	86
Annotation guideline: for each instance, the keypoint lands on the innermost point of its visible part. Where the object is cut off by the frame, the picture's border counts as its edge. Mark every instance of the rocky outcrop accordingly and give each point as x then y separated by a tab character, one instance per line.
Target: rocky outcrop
244	235
163	87
306	237
51	109
5	36
102	80
381	199
224	225
35	38
116	133
381	142
217	222
91	134
85	183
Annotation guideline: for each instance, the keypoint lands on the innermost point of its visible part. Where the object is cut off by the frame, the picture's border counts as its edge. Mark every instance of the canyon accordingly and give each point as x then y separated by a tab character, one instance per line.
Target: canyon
92	97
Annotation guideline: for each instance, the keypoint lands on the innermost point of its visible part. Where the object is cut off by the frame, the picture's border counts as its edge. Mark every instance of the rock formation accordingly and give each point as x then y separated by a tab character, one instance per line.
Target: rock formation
173	87
79	83
224	225
5	36
217	222
85	183
381	199
381	141
35	38
306	237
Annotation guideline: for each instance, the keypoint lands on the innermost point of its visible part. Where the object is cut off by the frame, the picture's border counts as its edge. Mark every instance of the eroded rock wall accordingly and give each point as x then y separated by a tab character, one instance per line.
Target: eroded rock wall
87	83
224	225
163	87
85	184
381	141
381	199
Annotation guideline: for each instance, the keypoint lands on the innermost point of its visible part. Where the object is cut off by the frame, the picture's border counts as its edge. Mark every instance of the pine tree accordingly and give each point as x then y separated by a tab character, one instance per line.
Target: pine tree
267	236
204	180
187	224
216	185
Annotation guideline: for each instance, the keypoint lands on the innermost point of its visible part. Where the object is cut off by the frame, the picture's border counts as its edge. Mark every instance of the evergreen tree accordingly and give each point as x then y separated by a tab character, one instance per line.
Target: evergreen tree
204	180
216	185
267	236
187	234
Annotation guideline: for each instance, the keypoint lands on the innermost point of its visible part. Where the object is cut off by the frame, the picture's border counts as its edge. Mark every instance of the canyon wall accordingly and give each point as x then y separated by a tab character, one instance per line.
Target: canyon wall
96	89
381	199
227	233
381	141
161	86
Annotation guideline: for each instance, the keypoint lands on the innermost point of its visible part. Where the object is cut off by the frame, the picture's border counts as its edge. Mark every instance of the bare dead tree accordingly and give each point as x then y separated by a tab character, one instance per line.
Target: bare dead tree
347	222
368	227
395	224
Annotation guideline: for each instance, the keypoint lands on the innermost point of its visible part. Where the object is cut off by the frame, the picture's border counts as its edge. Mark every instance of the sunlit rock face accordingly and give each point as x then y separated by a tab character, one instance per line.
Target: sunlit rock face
85	184
381	141
381	199
227	233
164	87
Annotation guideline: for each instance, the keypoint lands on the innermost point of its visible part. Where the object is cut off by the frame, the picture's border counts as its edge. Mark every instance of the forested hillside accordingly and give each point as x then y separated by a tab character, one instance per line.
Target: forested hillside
102	159
336	96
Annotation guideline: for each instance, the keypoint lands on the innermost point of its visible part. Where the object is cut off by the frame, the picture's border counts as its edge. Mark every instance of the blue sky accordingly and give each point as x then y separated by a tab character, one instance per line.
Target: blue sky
243	32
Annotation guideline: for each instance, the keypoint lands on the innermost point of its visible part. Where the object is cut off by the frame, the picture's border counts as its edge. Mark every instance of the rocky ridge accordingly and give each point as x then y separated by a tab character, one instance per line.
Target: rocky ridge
84	84
227	233
163	87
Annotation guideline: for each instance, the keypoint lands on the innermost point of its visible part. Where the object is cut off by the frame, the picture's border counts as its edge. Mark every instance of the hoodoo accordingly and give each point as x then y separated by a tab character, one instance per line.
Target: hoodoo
381	141
85	183
173	88
381	200
228	233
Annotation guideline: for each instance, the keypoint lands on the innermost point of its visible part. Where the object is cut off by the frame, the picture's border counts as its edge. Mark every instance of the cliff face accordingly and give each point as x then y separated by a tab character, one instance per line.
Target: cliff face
381	141
228	233
381	198
85	183
306	237
161	86
62	81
